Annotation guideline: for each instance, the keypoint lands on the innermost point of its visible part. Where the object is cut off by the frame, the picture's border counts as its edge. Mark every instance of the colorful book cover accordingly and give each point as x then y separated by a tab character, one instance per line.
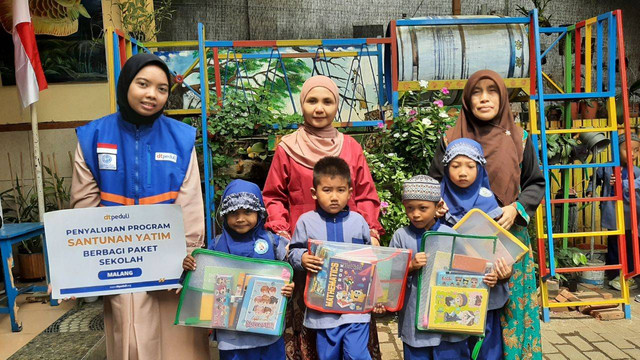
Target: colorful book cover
348	285
319	282
263	306
221	304
447	278
206	302
459	310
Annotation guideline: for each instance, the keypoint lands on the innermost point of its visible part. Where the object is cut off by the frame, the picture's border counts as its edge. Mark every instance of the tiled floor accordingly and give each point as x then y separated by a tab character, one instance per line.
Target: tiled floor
35	318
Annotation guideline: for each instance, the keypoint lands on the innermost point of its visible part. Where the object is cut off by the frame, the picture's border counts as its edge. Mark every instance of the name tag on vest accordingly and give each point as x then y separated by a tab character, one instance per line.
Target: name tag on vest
107	156
163	156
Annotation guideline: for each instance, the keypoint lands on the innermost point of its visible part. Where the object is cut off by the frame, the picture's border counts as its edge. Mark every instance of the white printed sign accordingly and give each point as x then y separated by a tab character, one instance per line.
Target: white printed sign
114	250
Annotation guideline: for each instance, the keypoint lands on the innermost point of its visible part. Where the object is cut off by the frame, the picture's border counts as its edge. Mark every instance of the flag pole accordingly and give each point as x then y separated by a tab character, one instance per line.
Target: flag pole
37	160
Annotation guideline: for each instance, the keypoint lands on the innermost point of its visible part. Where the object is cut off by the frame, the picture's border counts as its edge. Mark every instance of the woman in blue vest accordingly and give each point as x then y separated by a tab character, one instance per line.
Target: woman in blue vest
139	156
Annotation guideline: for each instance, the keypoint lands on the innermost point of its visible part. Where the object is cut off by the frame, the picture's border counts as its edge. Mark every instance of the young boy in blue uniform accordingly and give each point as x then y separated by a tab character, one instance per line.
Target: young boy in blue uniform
421	200
339	336
605	178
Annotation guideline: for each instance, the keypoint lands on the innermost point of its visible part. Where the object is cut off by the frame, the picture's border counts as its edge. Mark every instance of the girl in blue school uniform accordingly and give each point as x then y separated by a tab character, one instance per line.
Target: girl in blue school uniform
244	215
421	200
465	186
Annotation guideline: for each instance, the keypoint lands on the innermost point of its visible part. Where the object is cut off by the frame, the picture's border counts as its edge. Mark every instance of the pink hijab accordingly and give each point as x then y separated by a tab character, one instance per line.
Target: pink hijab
308	144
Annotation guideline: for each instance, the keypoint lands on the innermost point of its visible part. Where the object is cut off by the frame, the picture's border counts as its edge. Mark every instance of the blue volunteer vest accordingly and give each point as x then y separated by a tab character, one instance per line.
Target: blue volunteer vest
137	165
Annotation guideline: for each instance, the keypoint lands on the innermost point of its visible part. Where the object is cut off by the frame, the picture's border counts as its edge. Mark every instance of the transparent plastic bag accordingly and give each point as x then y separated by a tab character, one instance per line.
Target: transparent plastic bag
355	278
234	293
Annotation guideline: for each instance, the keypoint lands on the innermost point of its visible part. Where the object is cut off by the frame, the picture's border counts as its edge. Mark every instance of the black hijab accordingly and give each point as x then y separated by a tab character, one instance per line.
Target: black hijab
127	74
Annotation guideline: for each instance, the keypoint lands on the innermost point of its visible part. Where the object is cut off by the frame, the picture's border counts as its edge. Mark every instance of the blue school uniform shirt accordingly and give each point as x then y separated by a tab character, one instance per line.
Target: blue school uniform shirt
409	237
346	226
608	208
234	340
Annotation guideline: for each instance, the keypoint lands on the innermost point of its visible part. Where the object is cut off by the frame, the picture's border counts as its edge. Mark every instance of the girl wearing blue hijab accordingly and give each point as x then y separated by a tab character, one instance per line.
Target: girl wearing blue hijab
243	233
465	185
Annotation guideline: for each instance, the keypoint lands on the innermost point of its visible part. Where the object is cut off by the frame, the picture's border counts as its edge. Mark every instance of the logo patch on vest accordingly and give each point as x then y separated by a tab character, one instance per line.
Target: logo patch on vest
104	148
107	162
163	156
484	192
261	246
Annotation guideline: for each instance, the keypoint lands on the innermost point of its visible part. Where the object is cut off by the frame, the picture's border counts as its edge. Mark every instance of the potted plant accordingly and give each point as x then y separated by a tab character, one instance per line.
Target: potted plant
569	257
559	148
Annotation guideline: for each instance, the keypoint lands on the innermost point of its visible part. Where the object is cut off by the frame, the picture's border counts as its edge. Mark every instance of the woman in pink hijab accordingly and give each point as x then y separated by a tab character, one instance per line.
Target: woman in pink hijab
287	193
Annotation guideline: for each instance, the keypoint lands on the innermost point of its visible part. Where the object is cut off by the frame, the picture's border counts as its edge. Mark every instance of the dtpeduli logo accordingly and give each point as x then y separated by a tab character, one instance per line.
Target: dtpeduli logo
116	217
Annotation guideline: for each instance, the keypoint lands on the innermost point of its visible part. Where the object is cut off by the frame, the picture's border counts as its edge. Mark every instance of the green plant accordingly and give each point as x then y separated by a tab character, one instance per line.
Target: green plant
559	148
541	5
568	257
405	149
142	23
20	204
242	118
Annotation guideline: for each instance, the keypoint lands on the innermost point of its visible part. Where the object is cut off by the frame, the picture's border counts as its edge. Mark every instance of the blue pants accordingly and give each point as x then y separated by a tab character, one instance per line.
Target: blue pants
492	345
347	341
445	351
274	351
613	257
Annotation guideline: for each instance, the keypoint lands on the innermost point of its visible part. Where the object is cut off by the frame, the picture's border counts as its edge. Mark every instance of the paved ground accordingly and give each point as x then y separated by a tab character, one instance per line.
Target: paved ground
567	336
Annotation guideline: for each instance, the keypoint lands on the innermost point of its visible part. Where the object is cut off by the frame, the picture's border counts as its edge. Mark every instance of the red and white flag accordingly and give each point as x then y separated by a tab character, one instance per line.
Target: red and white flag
29	75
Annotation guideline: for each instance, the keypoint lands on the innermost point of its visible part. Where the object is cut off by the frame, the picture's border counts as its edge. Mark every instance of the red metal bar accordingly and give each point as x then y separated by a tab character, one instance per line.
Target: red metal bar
254	43
588	268
123	50
542	257
216	71
119	32
532	60
394	56
581	24
379	41
627	131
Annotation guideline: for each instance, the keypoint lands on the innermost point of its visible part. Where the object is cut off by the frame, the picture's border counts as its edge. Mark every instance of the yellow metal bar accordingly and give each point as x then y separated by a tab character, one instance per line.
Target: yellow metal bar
571	131
110	69
584	234
585	303
305	42
159	44
591	21
458	84
187	72
129	50
552	83
611	111
340	54
533	117
544	292
539	221
624	287
183	112
204	71
587	58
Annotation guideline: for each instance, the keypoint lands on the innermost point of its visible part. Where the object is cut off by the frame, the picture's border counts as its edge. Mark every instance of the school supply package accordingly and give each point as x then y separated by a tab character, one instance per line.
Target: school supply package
234	293
355	278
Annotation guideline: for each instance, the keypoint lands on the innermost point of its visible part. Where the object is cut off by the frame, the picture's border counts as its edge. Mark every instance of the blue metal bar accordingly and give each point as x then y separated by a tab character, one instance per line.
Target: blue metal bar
394	102
599	54
576	96
116	58
218	43
487	21
552	30
606	15
382	93
535	32
344	42
134	48
208	175
553	44
612	50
